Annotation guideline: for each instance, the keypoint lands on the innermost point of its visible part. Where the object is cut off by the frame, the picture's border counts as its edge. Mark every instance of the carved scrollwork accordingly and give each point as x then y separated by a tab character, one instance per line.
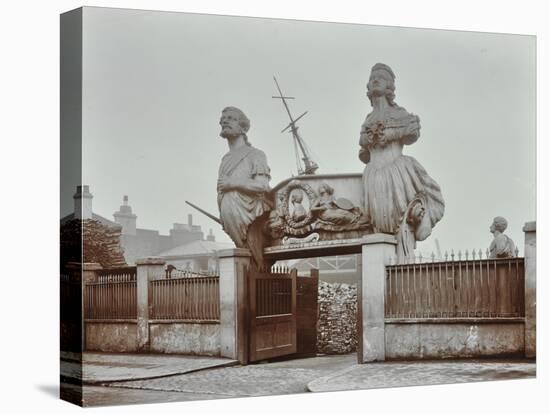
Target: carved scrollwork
321	212
291	219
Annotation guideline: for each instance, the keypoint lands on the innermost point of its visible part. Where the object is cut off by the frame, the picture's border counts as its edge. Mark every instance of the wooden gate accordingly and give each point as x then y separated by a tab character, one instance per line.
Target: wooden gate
307	290
272	314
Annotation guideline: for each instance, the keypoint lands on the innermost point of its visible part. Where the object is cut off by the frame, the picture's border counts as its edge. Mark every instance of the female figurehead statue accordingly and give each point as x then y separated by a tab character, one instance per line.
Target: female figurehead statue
399	195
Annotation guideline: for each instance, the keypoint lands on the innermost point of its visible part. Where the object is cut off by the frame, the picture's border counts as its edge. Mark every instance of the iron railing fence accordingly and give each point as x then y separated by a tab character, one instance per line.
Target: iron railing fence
476	288
185	296
112	296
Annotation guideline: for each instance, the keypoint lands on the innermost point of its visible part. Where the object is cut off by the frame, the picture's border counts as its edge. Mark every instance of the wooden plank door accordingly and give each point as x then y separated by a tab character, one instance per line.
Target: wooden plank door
307	313
272	305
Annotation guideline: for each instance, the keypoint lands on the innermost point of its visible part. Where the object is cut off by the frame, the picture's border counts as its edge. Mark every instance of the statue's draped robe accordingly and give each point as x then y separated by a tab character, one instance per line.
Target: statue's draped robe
501	247
392	180
239	209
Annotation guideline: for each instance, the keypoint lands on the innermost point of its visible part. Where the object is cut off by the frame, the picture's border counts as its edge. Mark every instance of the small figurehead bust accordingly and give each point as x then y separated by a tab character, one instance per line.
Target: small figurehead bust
502	246
299	210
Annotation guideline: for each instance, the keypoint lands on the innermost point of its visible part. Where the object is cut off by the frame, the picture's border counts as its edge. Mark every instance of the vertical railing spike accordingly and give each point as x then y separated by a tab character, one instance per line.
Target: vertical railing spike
480	254
460	255
467	255
446	255
452	255
487	253
419	257
516	252
433	257
473	254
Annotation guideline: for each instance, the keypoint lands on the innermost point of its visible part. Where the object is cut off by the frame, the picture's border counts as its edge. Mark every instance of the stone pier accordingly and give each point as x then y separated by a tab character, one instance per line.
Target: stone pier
377	249
530	230
233	285
147	269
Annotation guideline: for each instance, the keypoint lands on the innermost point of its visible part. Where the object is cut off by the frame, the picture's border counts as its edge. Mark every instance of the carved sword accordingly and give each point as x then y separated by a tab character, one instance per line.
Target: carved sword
206	213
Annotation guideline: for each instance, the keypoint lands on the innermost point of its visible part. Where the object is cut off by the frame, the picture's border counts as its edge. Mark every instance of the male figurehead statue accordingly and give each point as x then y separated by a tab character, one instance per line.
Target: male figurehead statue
243	181
502	246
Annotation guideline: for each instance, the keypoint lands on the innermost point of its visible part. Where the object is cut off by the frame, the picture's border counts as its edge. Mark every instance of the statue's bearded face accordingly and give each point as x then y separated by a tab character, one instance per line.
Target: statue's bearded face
230	124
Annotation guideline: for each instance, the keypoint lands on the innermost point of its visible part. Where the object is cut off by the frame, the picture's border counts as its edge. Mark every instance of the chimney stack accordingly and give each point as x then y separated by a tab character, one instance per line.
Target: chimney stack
83	203
126	218
211	236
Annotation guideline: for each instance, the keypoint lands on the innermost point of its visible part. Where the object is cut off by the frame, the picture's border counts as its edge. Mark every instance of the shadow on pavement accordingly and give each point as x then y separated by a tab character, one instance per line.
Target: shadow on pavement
49	389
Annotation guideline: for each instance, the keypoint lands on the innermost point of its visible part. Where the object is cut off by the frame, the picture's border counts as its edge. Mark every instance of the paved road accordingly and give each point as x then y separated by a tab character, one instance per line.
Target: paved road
406	374
326	373
275	378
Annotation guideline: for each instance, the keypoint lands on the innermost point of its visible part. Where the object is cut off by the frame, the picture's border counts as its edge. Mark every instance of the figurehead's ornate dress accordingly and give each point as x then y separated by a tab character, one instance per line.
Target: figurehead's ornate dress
392	181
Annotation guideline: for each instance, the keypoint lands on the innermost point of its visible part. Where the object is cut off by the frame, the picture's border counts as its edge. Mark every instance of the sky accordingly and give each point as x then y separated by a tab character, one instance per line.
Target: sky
154	84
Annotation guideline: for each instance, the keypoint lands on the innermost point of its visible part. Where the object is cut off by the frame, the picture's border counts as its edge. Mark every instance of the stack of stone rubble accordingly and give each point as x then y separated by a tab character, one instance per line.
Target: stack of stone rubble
337	324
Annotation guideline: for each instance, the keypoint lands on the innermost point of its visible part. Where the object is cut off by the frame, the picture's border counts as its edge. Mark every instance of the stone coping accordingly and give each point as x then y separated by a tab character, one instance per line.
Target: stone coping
236	252
151	261
530	226
470	321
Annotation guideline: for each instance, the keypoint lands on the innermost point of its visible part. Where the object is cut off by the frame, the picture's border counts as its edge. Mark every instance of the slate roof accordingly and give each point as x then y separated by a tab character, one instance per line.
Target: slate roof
196	248
96	217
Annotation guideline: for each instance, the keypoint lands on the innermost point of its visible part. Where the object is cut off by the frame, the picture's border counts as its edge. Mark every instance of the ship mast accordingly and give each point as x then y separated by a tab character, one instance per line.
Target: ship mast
310	166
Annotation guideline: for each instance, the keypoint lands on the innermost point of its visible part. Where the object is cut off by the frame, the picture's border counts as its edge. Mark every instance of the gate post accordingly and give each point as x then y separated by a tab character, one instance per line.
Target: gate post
234	264
530	230
377	249
146	269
